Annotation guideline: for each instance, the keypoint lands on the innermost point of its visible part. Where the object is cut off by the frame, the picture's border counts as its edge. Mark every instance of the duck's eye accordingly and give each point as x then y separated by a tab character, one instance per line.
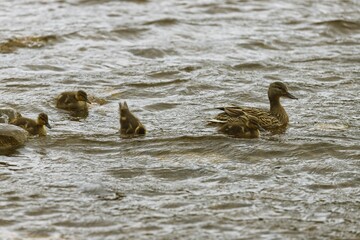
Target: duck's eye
280	88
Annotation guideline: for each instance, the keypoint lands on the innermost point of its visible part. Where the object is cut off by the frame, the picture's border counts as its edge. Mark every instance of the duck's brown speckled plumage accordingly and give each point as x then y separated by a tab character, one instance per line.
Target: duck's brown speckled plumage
129	124
34	127
274	119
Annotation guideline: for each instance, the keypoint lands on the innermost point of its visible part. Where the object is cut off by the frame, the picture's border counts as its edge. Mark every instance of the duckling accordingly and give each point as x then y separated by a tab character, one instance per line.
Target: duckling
73	101
241	126
7	115
129	124
274	119
34	127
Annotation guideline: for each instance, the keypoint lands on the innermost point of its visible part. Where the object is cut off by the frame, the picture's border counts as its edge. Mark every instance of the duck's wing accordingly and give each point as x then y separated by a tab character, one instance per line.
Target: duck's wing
229	114
263	117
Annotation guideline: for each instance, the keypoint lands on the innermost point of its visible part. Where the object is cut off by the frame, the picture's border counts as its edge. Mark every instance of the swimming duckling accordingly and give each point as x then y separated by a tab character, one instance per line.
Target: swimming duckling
241	127
274	119
32	126
7	115
244	126
73	101
129	124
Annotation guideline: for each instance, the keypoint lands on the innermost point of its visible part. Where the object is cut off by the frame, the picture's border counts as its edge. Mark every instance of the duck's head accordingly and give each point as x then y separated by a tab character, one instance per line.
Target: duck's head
82	96
44	120
279	89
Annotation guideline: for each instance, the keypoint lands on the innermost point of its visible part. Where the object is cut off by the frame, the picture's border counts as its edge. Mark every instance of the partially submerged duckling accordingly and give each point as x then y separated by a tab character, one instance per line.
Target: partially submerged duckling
34	127
274	119
129	124
243	126
73	101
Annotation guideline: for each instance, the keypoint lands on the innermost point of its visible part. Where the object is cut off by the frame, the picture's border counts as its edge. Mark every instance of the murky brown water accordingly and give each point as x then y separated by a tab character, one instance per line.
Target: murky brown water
174	61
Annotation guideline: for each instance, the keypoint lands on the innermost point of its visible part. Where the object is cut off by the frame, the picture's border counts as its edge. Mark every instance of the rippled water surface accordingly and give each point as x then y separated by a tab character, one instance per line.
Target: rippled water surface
174	62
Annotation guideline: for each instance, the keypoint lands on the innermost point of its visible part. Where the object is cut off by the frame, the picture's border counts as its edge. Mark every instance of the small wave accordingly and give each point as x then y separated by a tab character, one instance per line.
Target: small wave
13	44
163	22
163	74
157	84
331	126
249	66
190	68
312	59
93	2
152	52
229	205
329	78
340	26
45	67
175	173
258	44
129	32
161	173
161	106
221	10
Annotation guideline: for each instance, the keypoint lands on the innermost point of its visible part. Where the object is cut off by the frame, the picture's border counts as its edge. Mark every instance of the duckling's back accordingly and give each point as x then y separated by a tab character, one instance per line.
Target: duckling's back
29	125
240	128
68	101
129	124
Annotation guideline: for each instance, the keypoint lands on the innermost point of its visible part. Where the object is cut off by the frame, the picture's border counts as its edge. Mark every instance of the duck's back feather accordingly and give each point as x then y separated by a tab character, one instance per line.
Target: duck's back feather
263	117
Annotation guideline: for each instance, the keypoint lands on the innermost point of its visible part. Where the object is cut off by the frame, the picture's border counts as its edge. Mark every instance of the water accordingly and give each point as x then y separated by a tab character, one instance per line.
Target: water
174	62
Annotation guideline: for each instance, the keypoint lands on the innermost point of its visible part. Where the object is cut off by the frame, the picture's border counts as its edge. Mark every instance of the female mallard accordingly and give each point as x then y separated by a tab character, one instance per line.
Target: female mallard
129	124
73	101
32	126
274	119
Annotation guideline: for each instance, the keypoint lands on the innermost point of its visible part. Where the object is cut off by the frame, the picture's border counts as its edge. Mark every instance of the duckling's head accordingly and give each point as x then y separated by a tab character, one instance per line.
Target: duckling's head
44	120
82	96
279	89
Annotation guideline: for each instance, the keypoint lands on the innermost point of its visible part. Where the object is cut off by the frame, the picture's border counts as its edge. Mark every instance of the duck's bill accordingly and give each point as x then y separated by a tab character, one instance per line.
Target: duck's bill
289	95
48	126
87	100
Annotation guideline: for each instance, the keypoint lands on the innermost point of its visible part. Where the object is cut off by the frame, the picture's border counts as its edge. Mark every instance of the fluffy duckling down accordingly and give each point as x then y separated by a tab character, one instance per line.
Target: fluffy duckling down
34	127
129	124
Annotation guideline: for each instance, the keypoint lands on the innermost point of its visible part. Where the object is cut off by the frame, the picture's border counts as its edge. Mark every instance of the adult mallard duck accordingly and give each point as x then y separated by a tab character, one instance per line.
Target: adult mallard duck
34	127
73	101
274	119
129	124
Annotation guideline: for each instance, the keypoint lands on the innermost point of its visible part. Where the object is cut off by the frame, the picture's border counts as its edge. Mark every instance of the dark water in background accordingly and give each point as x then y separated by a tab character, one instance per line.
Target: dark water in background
174	61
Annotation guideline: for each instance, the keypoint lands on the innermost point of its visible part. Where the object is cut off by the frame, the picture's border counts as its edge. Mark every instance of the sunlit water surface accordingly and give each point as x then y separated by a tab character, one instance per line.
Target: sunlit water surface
174	62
